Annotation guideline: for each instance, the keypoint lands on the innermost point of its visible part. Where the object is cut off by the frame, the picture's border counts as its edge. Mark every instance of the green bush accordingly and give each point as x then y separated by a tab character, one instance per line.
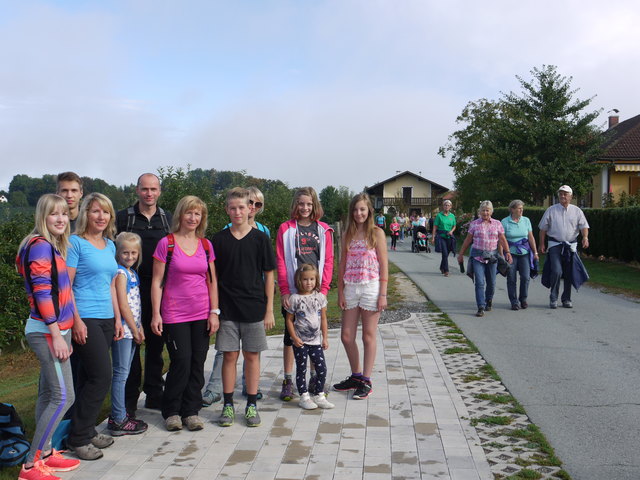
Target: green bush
14	306
613	232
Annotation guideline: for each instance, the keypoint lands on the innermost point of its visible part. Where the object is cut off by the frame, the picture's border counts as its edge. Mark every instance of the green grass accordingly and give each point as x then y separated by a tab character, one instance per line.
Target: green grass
456	350
501	399
495	420
611	277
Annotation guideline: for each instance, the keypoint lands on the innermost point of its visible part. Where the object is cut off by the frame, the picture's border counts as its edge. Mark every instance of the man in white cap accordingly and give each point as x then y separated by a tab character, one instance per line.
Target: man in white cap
562	223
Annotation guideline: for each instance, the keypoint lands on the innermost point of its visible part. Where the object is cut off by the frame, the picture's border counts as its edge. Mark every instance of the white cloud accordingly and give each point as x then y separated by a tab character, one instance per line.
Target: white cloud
335	92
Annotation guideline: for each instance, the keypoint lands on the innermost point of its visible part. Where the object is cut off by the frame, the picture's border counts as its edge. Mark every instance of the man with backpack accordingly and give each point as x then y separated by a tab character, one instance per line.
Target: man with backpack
152	223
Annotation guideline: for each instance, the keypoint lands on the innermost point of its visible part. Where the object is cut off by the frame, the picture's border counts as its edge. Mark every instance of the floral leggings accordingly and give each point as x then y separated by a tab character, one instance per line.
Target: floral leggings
316	354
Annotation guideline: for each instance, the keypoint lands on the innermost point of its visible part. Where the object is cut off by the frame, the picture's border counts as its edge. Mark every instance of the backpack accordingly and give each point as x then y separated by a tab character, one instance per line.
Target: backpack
131	218
14	446
171	245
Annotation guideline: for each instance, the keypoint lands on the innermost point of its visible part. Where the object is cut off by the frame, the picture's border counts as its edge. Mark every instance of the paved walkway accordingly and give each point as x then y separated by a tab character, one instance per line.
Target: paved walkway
412	427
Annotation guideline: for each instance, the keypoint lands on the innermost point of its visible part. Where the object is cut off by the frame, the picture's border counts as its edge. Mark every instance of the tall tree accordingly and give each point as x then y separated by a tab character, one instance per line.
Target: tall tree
525	145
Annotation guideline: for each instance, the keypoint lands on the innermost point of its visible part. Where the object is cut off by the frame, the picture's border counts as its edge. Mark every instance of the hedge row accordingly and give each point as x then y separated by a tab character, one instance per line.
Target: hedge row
613	232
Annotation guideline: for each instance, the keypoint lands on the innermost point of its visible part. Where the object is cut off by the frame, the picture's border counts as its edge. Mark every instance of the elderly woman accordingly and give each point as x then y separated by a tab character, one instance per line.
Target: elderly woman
442	235
522	245
484	235
92	269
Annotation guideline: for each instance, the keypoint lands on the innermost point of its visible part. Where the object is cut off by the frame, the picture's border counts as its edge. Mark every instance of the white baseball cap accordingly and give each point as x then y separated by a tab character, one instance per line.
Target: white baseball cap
566	188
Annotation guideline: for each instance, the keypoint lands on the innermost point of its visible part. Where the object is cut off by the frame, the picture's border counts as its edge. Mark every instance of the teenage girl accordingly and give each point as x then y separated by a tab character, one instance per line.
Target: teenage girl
128	256
41	261
302	239
362	291
309	333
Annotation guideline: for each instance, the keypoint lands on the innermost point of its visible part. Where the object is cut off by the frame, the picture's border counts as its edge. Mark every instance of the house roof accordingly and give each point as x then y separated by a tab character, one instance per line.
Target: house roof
623	142
406	172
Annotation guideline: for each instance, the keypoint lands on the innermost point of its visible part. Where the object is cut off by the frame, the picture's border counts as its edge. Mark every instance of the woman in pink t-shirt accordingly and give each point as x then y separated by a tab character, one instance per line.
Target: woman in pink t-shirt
184	296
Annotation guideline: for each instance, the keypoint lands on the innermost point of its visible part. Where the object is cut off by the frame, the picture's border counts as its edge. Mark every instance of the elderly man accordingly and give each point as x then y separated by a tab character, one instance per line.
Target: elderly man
562	223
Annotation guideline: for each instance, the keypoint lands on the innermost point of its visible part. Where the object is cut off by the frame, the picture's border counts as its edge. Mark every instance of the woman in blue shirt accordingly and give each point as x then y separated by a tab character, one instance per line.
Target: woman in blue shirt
92	269
523	249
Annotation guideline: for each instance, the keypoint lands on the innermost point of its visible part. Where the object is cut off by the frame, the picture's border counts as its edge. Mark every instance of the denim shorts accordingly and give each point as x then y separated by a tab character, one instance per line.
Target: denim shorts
231	334
363	295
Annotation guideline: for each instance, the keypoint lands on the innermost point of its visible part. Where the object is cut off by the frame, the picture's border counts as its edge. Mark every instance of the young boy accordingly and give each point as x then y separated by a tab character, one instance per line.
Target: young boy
244	266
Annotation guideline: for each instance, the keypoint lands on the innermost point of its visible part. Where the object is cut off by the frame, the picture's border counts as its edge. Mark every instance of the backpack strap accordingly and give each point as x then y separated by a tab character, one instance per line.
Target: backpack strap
205	245
131	218
55	290
165	222
171	245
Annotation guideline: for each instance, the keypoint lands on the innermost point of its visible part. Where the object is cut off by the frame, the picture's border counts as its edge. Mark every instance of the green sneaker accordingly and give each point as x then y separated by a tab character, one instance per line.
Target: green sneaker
251	416
227	416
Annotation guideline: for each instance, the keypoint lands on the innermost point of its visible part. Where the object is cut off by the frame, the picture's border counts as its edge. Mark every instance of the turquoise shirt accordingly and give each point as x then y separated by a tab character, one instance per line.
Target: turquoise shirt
95	269
515	231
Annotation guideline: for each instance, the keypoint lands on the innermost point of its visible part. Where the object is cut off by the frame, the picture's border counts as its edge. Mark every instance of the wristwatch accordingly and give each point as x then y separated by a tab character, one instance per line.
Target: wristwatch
215	310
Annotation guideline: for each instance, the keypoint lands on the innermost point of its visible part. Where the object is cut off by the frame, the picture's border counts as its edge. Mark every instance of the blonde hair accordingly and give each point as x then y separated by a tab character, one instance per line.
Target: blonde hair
128	237
237	192
306	267
351	227
255	192
48	203
316	210
105	204
190	202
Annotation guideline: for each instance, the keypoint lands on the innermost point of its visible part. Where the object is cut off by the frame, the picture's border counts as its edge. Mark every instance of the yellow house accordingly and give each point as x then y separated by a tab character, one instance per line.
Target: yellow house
620	161
406	192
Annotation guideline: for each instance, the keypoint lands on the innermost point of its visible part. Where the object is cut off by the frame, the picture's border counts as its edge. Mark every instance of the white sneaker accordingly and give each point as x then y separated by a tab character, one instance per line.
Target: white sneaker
306	402
322	402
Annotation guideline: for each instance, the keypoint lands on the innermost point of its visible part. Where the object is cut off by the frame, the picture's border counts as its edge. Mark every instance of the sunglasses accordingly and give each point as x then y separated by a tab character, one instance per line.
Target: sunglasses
255	204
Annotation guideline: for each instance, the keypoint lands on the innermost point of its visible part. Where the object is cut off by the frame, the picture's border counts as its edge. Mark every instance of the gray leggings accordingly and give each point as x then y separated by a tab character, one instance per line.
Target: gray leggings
55	392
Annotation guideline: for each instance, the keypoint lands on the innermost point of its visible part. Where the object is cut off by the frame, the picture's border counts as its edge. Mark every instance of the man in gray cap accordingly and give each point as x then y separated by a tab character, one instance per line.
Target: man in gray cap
562	223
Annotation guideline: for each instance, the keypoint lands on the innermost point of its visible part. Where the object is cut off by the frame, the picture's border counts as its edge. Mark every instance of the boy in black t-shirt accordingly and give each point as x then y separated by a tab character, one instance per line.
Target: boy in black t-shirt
244	266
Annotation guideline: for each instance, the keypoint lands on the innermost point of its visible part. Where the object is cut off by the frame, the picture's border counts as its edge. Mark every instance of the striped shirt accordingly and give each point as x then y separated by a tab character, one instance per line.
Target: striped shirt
42	290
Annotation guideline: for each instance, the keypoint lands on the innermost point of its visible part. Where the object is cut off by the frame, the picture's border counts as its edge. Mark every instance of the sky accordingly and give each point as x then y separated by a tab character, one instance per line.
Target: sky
343	93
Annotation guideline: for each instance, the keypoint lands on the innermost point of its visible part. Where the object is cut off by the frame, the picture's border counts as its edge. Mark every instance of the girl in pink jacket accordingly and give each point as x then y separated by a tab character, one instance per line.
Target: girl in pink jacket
302	239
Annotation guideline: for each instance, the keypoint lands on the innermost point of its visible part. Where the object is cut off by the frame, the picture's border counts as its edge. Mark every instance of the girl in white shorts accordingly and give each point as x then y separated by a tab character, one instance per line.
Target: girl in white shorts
362	291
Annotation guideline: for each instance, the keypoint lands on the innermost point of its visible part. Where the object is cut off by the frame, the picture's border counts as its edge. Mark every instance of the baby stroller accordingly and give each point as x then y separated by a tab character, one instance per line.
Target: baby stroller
420	240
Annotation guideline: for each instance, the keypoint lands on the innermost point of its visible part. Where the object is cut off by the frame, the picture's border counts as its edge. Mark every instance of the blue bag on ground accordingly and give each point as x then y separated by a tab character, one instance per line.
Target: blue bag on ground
14	446
59	438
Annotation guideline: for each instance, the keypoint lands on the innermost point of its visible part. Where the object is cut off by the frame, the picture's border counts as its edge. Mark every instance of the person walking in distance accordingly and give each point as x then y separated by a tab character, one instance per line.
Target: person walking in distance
561	224
151	223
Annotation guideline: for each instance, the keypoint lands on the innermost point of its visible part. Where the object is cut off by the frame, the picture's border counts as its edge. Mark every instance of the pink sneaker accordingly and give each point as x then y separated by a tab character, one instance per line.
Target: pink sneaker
38	472
56	462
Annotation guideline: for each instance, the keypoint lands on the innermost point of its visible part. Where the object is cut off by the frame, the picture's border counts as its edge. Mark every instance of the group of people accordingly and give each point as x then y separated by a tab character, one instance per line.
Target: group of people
101	284
510	242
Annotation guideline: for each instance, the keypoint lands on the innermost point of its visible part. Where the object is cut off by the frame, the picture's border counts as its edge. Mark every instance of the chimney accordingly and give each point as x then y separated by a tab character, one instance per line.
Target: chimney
613	120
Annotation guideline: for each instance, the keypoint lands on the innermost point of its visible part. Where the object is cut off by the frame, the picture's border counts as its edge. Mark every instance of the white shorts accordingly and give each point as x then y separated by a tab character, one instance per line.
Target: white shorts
363	295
